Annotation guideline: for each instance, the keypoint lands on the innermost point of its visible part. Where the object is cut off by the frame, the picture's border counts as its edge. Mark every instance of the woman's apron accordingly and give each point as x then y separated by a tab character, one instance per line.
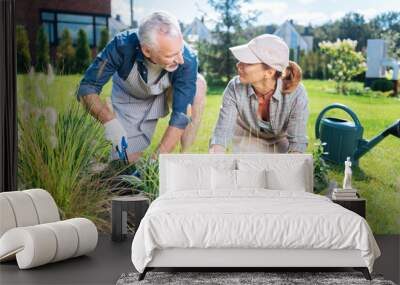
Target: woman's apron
138	105
261	140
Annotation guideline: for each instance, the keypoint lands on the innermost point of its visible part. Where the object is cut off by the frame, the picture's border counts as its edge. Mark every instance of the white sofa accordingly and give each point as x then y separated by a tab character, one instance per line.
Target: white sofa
31	231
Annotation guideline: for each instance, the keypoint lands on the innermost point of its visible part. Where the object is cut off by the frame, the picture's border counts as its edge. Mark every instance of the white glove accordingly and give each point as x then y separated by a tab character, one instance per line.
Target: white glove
114	131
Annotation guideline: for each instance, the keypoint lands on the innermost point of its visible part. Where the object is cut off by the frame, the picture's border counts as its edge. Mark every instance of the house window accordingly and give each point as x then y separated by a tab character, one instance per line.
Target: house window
56	22
49	29
294	40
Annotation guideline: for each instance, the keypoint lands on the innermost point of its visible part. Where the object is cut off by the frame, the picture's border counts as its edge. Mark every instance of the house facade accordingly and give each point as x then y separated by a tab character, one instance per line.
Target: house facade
56	16
294	40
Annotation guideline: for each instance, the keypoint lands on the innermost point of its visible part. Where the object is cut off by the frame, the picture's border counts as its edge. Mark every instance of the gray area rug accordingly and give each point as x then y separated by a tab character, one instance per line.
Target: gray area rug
230	278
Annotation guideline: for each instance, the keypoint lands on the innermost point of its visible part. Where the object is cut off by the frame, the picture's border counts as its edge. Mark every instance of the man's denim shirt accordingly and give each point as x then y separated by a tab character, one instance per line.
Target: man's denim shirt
119	56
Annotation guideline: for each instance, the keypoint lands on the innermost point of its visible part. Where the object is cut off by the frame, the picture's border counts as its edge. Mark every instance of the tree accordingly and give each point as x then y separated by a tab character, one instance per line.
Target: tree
104	38
313	64
42	51
251	32
228	32
23	53
392	39
82	54
387	27
65	54
385	21
344	61
353	26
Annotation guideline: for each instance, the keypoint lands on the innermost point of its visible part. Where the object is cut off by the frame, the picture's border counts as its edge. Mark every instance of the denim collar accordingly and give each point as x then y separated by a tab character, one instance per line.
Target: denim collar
139	54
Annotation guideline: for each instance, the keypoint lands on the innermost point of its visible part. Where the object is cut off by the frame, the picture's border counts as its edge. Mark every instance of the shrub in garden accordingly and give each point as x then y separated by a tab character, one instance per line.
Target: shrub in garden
313	65
42	51
320	168
57	151
291	54
104	38
344	61
148	182
83	54
228	32
23	53
65	54
382	84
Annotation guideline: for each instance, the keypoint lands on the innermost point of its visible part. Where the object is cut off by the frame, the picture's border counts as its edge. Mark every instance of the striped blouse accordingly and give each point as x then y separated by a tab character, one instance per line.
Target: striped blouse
288	114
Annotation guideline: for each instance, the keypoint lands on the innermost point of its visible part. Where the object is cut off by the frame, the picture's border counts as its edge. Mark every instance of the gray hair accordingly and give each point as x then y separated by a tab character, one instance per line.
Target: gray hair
157	22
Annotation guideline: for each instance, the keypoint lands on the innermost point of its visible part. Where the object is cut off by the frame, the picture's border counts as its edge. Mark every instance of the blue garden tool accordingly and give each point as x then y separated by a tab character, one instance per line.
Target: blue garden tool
122	153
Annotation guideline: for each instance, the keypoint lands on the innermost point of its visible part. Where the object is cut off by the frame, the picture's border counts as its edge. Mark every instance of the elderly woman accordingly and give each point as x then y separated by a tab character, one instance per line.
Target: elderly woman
265	107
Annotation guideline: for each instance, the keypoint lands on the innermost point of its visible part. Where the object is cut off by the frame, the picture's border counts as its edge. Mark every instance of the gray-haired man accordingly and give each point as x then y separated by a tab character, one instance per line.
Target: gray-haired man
145	66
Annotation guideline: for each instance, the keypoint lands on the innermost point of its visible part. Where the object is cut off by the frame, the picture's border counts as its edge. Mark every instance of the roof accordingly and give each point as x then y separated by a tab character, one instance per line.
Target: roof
197	31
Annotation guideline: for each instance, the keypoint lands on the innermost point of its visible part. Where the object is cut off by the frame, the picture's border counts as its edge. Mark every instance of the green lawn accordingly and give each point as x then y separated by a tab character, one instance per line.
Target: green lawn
378	178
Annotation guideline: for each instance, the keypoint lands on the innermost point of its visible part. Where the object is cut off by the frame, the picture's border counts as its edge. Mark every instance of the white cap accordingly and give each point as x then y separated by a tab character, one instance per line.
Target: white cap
267	48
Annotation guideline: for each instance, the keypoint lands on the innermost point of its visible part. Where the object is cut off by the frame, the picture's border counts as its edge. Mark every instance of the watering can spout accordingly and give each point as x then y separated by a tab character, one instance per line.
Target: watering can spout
365	146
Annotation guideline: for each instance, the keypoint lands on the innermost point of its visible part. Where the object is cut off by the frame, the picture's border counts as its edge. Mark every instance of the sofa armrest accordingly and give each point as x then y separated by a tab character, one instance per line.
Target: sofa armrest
33	246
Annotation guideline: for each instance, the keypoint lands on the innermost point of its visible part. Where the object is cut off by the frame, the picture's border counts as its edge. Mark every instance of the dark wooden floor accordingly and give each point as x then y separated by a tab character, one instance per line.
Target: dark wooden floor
110	260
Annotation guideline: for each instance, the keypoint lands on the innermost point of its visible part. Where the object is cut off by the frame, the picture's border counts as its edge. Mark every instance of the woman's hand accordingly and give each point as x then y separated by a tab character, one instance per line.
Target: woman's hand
216	148
294	151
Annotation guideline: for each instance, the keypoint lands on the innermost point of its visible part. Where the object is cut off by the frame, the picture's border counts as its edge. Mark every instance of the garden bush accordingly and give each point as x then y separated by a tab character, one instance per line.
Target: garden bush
313	65
382	84
65	54
344	62
83	53
57	151
42	51
104	38
321	168
23	53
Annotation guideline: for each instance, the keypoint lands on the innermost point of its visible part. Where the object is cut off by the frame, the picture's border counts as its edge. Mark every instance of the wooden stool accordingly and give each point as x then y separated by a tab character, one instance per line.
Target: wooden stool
120	206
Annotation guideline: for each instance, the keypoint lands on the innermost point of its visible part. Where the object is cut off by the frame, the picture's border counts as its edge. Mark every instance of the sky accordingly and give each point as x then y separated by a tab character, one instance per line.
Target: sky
303	12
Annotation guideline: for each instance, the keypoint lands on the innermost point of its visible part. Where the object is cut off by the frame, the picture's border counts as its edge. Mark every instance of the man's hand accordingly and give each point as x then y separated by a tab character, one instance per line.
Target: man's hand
114	132
154	156
170	139
97	108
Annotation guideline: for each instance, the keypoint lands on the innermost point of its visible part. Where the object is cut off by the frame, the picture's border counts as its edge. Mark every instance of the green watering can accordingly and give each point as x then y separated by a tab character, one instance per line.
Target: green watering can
344	138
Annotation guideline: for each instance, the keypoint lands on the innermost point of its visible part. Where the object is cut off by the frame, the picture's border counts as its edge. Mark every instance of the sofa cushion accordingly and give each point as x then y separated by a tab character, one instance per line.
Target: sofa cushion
45	206
23	208
40	244
27	208
7	215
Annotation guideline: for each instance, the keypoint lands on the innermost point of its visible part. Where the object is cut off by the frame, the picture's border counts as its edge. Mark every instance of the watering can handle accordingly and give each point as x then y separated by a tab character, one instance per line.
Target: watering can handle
336	106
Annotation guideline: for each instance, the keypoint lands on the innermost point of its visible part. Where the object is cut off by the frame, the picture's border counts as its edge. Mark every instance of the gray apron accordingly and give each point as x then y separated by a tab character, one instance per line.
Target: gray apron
138	106
262	140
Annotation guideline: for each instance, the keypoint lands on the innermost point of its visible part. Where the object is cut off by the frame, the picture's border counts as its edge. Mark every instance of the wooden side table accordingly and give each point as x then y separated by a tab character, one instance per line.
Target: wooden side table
358	205
120	206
